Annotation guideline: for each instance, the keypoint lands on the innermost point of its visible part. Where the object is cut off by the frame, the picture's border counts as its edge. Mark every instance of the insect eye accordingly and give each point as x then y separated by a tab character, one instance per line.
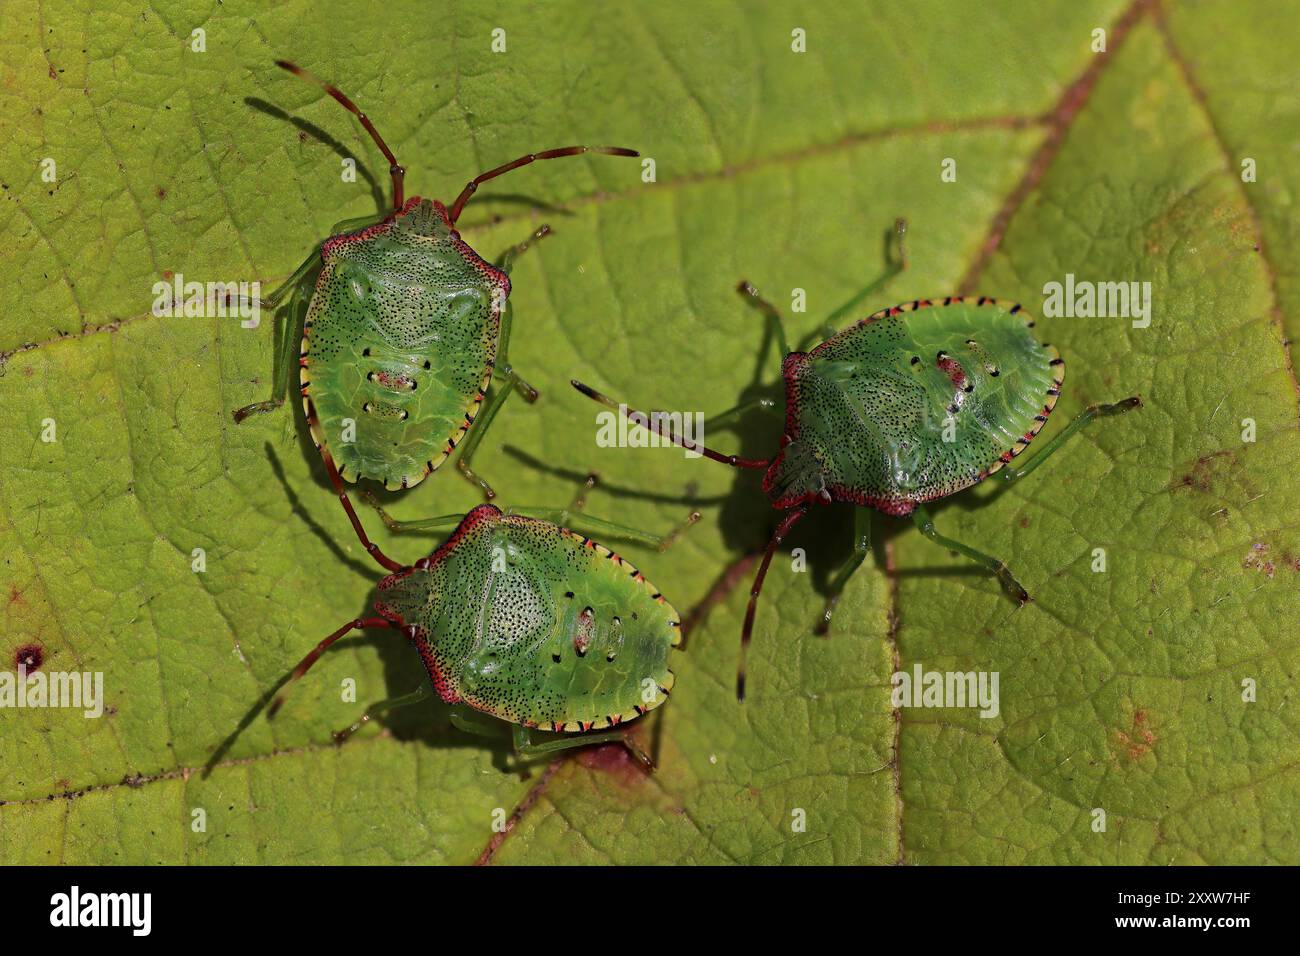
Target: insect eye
427	365
916	359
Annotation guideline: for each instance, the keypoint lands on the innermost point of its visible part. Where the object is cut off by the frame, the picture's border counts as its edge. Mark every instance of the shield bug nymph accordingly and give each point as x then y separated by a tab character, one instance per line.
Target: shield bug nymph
519	618
403	330
907	406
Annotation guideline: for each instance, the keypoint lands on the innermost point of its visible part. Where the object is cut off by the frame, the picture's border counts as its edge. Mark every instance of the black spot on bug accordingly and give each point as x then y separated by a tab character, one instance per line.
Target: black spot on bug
916	359
556	658
29	657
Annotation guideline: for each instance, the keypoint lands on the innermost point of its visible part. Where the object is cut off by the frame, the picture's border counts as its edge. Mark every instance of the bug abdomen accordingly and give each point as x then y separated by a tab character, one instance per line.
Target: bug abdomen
539	626
913	404
398	349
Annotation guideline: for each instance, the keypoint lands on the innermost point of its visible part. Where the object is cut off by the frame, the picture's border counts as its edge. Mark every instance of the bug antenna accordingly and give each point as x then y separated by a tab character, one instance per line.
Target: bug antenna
788	522
656	423
472	186
395	169
305	664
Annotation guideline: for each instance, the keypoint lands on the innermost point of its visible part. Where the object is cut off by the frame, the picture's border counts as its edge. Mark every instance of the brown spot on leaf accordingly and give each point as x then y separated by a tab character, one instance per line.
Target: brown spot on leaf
29	657
1138	741
1257	559
1199	476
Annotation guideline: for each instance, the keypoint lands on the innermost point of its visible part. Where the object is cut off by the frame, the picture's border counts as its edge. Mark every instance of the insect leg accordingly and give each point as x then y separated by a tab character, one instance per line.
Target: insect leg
747	632
584	522
747	289
738	411
573	518
500	392
1080	421
374	710
861	546
503	356
1009	584
525	746
470	721
286	356
305	664
506	261
420	524
525	160
357	224
896	237
580	497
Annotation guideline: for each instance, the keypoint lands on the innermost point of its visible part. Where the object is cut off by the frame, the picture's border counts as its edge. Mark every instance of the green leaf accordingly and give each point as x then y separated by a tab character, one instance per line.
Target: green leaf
1120	691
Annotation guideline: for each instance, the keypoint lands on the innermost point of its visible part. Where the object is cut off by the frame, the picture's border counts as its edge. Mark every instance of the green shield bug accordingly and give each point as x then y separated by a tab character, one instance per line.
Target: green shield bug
402	332
907	406
519	618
